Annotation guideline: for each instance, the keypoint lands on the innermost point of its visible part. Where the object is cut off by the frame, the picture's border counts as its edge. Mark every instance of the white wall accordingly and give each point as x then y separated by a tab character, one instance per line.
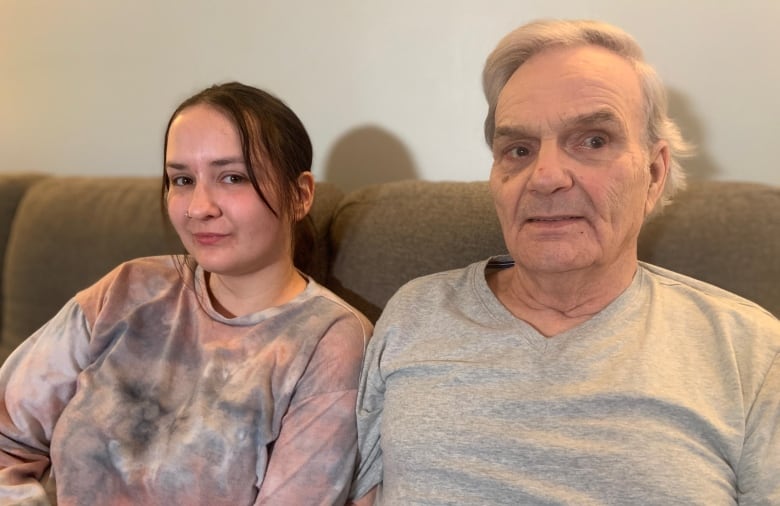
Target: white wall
387	89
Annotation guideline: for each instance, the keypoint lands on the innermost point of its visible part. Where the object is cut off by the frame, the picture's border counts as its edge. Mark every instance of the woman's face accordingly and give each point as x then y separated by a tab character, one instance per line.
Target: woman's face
212	204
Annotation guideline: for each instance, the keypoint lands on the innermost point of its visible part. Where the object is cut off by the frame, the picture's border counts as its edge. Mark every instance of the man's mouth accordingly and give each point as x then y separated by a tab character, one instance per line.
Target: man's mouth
553	218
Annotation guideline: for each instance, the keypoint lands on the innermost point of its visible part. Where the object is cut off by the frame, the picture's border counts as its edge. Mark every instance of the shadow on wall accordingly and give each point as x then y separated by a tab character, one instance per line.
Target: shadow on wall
368	155
700	166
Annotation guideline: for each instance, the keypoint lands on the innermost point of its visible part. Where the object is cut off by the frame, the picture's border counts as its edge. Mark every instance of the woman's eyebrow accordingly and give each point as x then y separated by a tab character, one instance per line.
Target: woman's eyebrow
175	166
221	162
218	162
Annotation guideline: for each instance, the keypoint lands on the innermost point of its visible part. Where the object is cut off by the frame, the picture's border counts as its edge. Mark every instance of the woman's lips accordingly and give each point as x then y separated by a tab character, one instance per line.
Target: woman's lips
208	239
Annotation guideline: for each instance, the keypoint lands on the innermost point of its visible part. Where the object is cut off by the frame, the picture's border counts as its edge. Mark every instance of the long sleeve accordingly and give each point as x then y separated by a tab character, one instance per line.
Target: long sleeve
36	383
759	468
313	459
370	404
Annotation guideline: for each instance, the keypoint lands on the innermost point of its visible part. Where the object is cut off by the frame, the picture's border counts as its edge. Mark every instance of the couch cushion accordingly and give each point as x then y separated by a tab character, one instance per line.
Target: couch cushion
12	188
67	233
723	232
385	235
70	231
326	199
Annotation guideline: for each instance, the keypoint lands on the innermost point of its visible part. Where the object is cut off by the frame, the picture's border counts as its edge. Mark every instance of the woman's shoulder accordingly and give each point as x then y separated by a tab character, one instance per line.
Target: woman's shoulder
152	266
136	279
339	310
155	266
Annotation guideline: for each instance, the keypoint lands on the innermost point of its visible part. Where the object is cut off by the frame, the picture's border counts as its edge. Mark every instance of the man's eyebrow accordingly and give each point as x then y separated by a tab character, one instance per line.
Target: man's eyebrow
600	117
594	118
512	132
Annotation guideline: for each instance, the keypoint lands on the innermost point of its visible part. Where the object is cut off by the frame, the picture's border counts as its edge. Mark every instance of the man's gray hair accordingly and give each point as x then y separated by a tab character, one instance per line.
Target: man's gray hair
530	39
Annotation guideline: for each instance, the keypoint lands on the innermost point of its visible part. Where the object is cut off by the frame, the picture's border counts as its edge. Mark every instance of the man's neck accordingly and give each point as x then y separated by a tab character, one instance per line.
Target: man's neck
555	302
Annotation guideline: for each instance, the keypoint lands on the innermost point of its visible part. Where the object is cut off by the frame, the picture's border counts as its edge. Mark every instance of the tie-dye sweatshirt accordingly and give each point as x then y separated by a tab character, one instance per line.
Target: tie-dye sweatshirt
139	392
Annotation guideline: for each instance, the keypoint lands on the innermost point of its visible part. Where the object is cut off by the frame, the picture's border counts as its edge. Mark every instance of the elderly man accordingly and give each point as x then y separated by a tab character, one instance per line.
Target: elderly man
569	372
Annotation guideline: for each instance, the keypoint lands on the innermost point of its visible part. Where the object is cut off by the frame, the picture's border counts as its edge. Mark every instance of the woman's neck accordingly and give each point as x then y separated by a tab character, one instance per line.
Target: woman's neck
234	296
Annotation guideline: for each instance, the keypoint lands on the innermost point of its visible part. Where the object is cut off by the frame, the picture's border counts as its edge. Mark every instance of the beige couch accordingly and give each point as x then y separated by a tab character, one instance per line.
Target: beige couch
60	234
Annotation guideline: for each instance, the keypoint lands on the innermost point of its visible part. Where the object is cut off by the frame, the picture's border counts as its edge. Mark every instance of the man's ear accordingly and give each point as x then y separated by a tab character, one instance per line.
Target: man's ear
658	169
305	195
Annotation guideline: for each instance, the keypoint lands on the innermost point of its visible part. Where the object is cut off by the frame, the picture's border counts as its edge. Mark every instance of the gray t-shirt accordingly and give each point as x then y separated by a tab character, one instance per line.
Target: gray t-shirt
670	395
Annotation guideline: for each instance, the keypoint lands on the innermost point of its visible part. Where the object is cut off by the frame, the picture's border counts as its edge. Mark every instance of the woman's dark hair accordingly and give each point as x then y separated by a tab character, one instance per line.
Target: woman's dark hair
276	149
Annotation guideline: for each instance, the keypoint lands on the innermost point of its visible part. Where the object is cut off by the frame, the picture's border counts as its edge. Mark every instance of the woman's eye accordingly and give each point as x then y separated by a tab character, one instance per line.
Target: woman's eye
234	178
595	142
180	181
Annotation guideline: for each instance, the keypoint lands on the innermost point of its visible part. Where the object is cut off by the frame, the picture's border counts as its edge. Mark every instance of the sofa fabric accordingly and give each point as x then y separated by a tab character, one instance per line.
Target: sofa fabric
724	233
12	189
60	234
385	235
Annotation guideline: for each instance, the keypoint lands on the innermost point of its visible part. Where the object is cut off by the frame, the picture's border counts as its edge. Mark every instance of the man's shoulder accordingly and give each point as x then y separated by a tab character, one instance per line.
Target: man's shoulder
707	296
439	283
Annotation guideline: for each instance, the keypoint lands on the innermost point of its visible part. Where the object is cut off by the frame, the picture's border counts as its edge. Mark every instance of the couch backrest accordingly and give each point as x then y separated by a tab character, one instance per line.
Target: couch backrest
724	233
385	235
68	232
12	189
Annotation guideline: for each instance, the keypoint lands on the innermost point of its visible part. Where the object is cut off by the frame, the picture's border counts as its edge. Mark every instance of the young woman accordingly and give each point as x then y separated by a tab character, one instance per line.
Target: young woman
225	376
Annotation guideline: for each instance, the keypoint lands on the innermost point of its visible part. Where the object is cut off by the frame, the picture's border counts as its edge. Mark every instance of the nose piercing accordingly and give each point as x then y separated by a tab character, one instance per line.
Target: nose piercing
187	215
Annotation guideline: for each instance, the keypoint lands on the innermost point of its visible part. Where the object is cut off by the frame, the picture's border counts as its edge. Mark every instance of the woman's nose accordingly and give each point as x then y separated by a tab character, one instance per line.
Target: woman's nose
203	204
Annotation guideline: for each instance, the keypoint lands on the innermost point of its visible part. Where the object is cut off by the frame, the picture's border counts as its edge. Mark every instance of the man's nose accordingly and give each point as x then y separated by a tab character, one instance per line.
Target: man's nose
549	172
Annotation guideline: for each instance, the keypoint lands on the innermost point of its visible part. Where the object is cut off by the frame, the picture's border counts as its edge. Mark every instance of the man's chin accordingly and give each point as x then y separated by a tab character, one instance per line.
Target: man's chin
559	262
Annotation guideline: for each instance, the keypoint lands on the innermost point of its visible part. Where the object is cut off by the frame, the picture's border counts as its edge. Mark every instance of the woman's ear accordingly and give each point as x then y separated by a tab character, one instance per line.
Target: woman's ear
305	195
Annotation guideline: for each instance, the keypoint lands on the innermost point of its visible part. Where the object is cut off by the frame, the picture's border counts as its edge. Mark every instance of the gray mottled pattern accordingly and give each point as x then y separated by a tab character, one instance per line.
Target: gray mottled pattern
141	393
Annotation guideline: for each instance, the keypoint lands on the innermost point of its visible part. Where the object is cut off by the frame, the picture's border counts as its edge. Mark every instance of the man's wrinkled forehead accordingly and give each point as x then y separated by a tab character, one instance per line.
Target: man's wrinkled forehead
604	119
568	85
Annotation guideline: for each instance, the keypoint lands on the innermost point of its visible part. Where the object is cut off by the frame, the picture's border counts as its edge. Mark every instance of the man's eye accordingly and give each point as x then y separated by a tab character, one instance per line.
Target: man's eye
595	142
520	151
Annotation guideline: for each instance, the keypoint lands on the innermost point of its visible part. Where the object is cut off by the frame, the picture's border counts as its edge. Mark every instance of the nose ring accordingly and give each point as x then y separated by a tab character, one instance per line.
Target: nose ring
187	215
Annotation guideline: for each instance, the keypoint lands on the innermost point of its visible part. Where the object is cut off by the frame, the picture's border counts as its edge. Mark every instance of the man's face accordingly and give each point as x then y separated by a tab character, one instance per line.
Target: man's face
573	177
